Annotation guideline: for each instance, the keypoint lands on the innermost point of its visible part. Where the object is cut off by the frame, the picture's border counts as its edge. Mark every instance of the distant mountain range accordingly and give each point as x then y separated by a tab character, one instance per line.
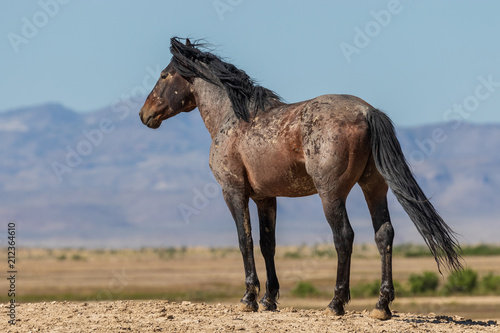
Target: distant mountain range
102	179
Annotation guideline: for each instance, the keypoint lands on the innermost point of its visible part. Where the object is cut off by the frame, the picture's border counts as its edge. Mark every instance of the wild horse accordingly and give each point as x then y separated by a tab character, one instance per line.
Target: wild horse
263	148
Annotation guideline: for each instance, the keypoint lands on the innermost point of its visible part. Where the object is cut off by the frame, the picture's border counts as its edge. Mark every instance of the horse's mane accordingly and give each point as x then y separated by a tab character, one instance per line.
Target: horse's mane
245	95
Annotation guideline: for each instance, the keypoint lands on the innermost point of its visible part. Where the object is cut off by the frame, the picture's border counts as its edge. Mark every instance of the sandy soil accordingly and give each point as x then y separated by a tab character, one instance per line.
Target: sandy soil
165	316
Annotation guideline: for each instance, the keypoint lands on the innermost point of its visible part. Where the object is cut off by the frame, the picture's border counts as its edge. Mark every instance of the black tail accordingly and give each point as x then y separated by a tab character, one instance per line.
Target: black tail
392	164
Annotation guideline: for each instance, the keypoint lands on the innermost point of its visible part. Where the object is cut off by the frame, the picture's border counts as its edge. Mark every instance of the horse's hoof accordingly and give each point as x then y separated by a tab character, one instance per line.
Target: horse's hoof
381	314
267	305
252	307
332	312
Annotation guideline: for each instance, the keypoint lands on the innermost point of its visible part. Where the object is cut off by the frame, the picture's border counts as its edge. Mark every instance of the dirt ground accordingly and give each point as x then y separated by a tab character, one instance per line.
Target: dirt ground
165	316
104	291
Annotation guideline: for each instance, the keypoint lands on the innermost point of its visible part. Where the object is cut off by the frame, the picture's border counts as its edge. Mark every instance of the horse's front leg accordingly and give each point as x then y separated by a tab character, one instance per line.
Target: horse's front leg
237	203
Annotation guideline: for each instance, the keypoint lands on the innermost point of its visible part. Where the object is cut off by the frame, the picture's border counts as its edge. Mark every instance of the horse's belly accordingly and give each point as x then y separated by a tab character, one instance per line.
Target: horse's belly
280	179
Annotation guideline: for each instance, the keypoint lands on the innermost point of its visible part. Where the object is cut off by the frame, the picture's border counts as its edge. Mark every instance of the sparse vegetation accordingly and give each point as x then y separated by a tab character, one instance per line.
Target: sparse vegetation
366	289
400	290
412	250
423	283
481	250
305	289
166	253
328	252
293	255
99	251
427	283
118	268
461	282
77	257
490	284
222	252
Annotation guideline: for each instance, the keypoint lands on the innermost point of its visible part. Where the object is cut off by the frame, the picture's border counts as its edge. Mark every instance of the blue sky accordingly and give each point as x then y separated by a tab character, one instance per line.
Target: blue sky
420	61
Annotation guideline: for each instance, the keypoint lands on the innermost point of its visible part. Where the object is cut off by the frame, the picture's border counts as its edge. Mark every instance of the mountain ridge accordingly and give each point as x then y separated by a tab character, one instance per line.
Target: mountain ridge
127	185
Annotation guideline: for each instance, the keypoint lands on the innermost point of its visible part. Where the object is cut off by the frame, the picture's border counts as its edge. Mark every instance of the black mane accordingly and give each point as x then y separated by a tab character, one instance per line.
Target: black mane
243	92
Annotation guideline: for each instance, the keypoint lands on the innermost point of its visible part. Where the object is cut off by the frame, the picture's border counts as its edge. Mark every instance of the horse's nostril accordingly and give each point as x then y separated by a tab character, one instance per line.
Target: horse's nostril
143	118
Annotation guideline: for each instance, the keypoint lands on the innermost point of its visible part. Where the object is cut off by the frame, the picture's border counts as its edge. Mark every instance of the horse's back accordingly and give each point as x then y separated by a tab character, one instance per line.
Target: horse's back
286	150
335	120
345	108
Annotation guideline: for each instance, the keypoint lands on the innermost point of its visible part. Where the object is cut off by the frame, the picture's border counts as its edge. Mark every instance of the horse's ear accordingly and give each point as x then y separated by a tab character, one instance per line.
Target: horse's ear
188	42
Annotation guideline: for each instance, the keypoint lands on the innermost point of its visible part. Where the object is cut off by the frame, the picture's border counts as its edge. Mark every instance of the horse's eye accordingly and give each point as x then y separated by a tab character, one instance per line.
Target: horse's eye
164	75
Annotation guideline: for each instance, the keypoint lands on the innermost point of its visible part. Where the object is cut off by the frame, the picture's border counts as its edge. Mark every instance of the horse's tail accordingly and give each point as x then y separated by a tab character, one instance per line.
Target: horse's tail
392	165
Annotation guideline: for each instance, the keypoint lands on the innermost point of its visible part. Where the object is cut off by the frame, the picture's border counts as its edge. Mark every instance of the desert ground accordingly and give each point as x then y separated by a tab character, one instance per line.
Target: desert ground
197	289
165	316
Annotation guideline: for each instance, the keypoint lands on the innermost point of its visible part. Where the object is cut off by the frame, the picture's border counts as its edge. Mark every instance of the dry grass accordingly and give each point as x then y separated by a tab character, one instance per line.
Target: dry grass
215	275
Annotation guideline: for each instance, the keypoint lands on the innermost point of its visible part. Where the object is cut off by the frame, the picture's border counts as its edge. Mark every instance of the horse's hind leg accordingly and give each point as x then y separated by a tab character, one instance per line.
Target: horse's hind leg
375	191
343	237
267	223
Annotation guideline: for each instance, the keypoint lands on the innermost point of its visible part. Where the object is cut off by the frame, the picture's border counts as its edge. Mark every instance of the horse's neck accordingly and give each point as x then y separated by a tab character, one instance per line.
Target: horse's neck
213	103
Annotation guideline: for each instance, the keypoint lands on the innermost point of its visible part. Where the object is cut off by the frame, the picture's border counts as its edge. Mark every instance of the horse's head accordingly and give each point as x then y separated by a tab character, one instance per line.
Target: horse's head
171	95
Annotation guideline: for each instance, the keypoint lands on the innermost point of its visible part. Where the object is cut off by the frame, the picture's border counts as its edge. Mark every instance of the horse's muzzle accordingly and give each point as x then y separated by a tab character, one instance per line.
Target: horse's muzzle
149	120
